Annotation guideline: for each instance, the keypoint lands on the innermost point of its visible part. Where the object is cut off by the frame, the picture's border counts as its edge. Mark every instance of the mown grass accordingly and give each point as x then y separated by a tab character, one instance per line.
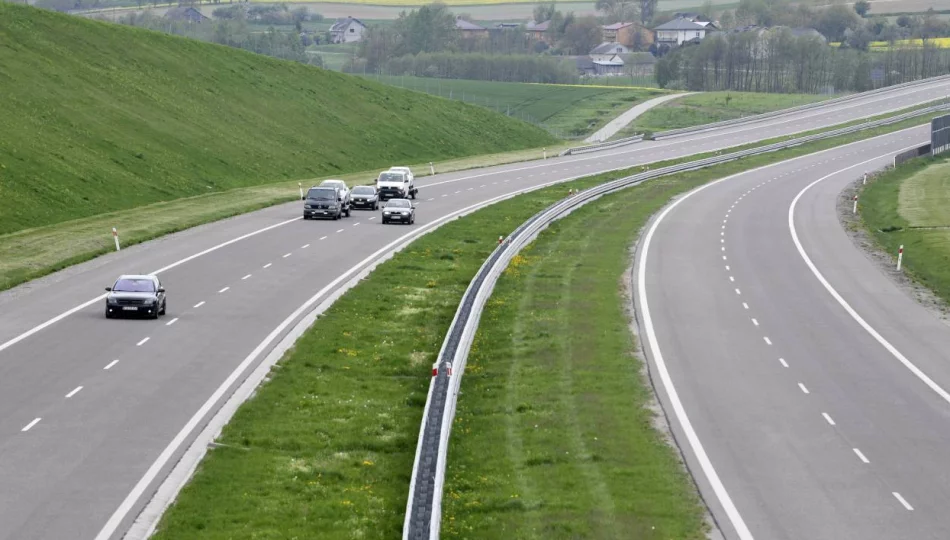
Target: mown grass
708	107
554	434
100	117
909	206
566	110
325	447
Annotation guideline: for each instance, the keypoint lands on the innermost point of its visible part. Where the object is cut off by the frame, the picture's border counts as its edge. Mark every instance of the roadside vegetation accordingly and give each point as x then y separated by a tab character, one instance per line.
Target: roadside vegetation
325	447
708	107
910	206
150	118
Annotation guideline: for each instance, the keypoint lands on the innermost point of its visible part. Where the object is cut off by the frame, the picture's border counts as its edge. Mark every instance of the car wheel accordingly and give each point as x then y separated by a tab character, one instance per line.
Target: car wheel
348	210
164	308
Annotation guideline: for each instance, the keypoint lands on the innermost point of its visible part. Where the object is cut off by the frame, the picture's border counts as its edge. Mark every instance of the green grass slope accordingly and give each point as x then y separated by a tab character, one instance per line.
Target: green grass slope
98	117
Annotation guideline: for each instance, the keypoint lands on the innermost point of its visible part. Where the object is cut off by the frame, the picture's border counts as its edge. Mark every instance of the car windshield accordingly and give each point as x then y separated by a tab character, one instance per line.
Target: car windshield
134	285
363	190
391	177
398	204
327	194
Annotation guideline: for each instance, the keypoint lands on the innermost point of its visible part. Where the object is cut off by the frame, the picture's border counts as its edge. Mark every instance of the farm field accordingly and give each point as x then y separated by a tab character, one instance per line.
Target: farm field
708	107
567	111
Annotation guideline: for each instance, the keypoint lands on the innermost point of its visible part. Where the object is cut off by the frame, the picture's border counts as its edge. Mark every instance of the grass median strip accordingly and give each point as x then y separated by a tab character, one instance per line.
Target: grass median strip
325	447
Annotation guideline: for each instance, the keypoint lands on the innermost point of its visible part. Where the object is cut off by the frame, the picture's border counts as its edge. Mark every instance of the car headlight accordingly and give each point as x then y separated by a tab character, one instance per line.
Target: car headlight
308	207
150	301
111	301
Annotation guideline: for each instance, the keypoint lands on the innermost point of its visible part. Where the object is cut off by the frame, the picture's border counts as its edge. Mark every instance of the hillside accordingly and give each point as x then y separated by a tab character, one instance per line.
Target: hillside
98	117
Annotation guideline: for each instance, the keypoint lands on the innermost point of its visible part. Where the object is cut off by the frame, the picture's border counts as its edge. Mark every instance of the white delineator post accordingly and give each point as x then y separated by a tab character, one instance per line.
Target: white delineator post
855	209
299	185
865	181
545	153
900	257
500	240
431	168
115	236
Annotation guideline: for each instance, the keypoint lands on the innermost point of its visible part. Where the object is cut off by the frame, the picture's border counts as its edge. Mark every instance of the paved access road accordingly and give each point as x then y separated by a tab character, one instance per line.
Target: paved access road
820	405
93	408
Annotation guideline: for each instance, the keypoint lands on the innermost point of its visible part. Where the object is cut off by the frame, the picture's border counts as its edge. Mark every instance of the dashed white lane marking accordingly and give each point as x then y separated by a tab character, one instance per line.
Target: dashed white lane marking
31	424
471	188
732	279
738	291
374	217
246	277
268	264
727	267
481	186
860	455
171	322
357	223
828	418
802	386
902	501
745	306
199	304
724	258
446	195
140	343
305	246
722	240
224	290
339	231
767	340
110	364
74	392
457	192
724	248
289	254
755	322
783	362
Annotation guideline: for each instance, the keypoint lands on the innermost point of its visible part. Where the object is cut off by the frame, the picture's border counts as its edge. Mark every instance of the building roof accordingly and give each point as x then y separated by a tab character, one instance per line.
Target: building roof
341	24
680	24
462	24
184	12
638	58
618	26
538	27
608	48
507	25
584	63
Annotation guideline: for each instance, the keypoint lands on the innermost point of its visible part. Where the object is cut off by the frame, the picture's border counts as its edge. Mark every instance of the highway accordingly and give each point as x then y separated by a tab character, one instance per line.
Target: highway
96	410
813	386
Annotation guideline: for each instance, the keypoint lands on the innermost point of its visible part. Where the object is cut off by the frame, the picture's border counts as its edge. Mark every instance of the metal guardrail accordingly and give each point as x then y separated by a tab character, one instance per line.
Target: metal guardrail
600	146
799	108
424	507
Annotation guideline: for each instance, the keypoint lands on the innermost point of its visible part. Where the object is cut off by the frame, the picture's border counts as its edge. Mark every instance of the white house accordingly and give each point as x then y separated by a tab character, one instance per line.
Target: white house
607	60
347	30
681	29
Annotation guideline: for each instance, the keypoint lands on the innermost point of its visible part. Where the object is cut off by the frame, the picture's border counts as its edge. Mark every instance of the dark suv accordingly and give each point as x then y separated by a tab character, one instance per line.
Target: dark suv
325	202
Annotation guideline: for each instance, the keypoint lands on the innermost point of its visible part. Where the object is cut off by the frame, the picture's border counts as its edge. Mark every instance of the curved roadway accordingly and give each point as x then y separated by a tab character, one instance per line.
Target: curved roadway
93	409
809	390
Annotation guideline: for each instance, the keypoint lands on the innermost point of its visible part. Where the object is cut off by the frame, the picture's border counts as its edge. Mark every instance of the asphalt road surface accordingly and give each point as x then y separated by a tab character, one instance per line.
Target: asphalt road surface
90	405
814	386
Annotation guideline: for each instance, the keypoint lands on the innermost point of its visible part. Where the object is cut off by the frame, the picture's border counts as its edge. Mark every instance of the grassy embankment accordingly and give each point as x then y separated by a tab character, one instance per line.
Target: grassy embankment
568	111
101	119
326	445
910	206
709	107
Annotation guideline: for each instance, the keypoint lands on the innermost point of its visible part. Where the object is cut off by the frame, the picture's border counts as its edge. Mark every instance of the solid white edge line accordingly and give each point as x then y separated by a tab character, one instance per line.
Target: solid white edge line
29	426
902	501
841	301
74	392
697	447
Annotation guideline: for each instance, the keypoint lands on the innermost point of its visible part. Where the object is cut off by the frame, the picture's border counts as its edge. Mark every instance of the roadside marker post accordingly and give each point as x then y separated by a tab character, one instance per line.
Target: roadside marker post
431	168
855	209
865	181
500	240
900	257
300	186
115	236
545	153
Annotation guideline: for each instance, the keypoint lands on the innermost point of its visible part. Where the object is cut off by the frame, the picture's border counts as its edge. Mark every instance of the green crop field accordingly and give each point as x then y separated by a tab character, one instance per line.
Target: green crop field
568	111
99	117
707	107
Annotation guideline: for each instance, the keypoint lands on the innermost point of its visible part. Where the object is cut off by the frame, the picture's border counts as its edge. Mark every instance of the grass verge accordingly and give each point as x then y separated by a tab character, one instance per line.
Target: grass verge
910	206
325	447
708	107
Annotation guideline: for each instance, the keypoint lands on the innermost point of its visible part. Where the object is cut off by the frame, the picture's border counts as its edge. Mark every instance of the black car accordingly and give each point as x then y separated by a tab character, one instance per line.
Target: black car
364	197
325	202
136	295
399	210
